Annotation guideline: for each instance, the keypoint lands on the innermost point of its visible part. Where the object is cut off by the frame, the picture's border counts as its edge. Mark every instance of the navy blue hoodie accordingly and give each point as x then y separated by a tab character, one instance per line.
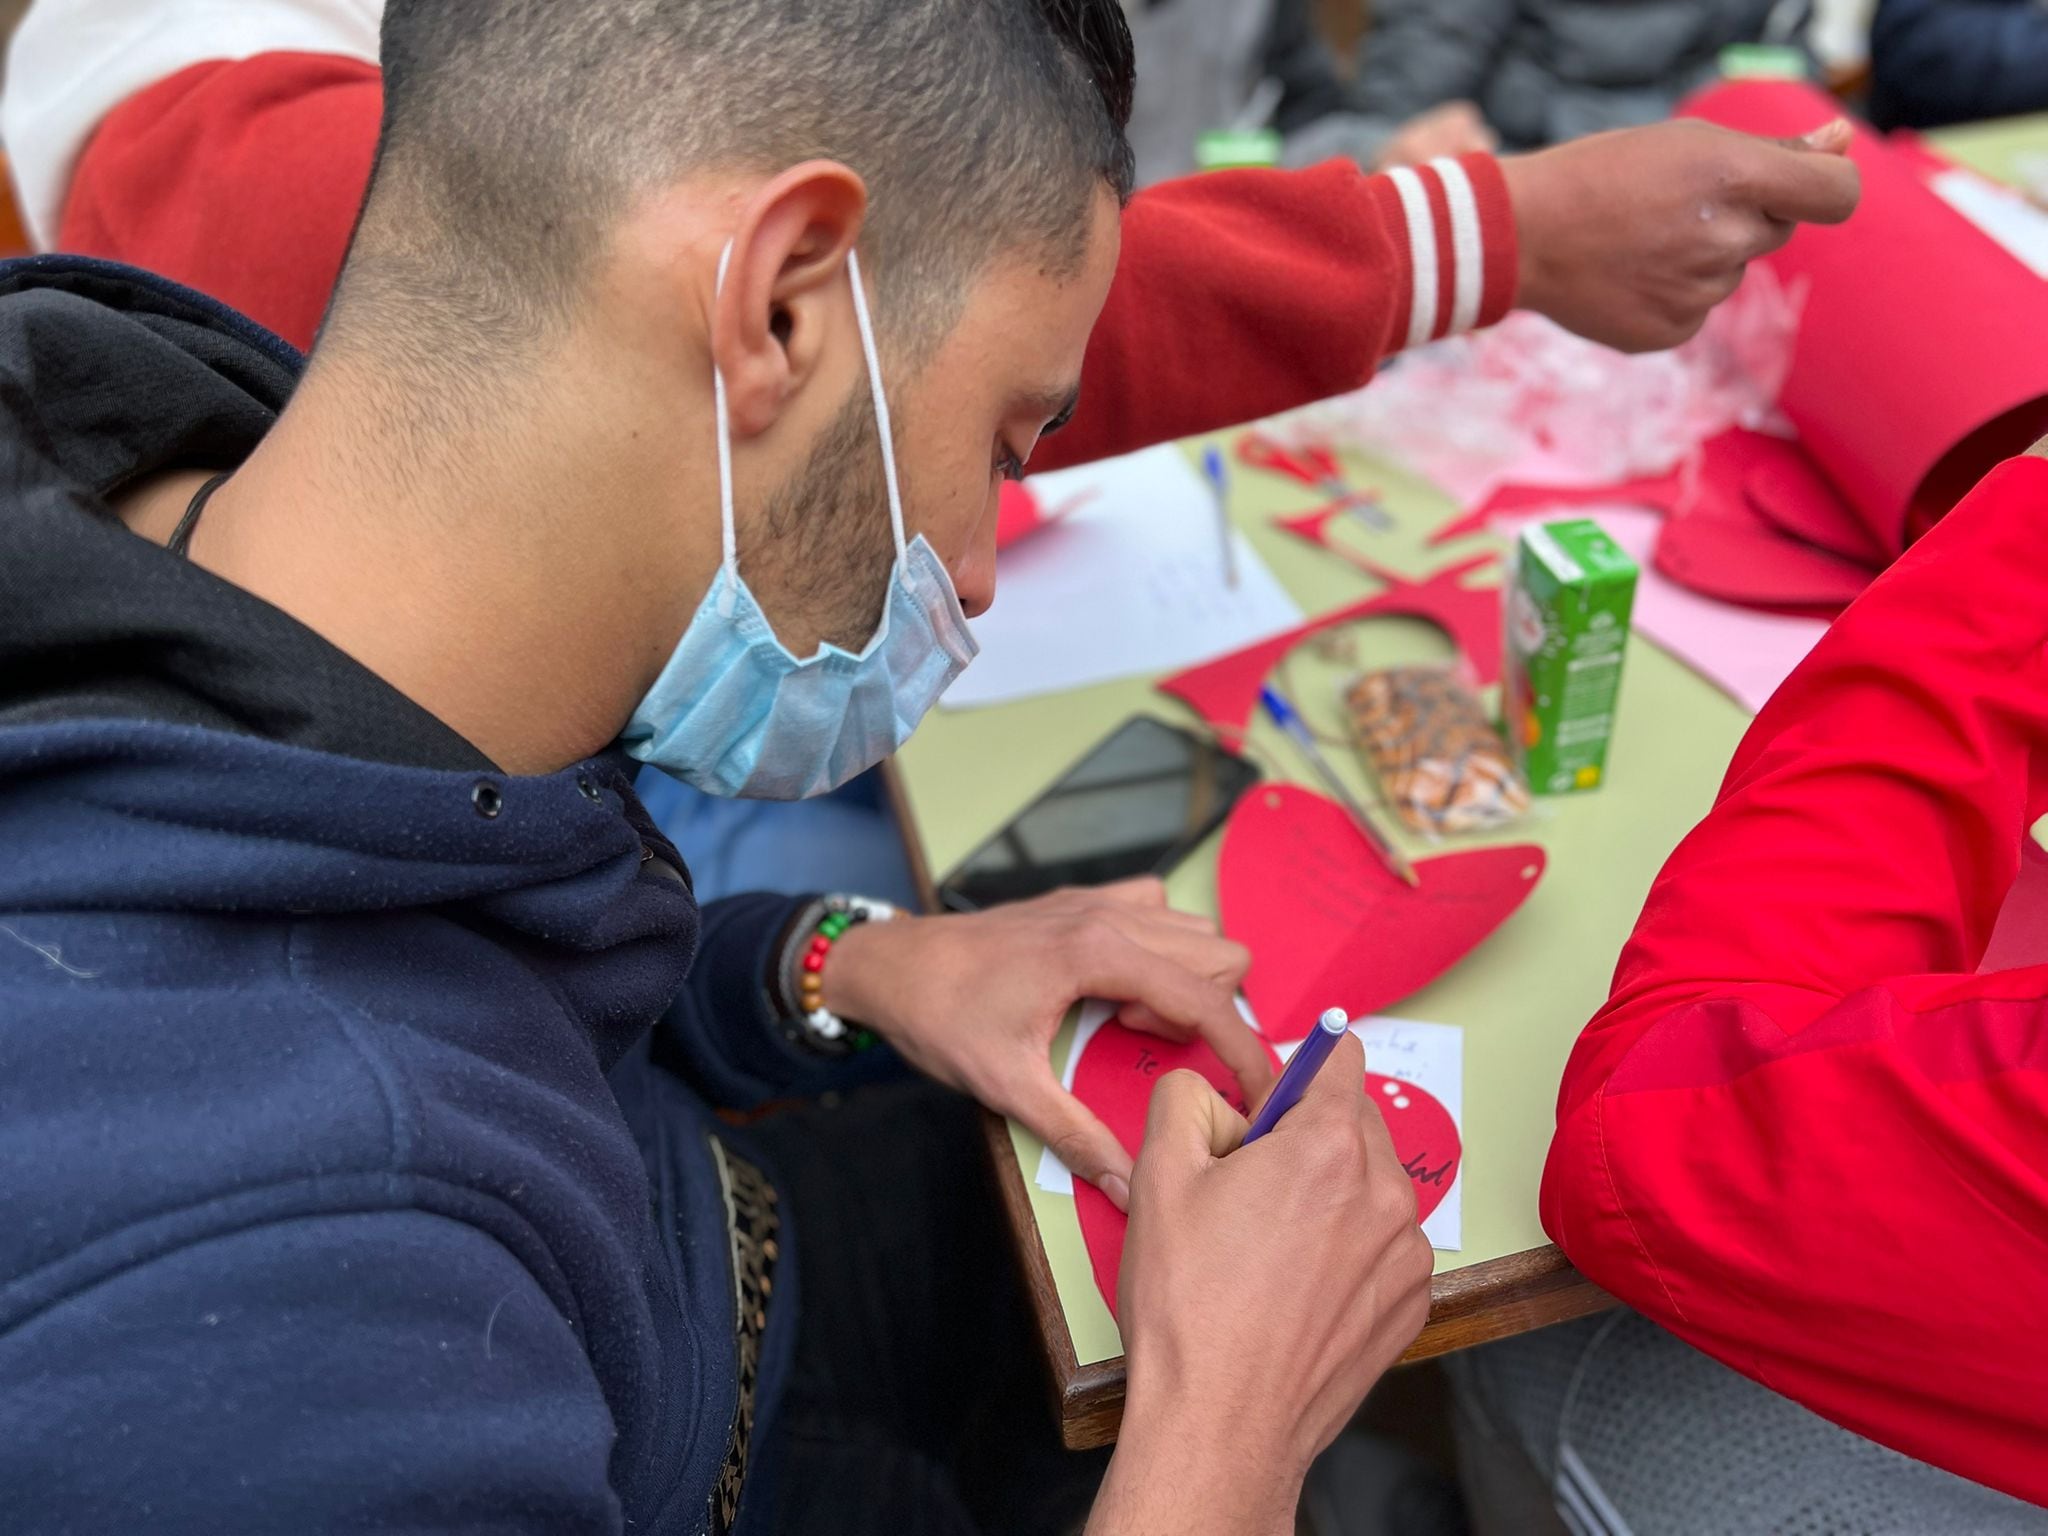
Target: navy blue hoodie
342	1185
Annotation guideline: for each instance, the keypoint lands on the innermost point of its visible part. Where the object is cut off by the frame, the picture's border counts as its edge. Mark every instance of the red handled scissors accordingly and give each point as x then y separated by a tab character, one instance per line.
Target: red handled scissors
1316	468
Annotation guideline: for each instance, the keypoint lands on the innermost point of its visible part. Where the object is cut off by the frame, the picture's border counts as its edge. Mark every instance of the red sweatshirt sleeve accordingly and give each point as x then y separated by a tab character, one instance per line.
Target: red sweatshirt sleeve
1804	1134
239	179
1238	294
1243	293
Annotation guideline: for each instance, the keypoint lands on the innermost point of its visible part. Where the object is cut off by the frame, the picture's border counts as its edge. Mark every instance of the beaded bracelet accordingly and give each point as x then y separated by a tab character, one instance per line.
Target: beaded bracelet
803	973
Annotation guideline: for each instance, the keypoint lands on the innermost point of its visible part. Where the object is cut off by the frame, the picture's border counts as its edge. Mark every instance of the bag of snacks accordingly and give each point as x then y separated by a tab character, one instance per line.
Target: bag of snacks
1440	763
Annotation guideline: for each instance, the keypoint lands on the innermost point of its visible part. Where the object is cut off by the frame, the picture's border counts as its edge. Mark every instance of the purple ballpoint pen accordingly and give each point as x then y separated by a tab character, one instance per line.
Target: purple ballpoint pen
1302	1066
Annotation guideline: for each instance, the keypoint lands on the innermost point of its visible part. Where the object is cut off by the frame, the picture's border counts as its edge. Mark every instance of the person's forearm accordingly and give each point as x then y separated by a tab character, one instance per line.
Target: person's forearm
1241	294
1173	1478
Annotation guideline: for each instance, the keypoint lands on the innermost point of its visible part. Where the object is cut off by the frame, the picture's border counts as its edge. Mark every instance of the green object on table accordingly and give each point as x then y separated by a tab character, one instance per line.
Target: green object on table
1225	149
1569	600
1763	61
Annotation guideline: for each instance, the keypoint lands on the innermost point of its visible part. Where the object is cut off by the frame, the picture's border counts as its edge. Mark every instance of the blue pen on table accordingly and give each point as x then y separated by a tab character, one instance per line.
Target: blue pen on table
1302	1067
1289	720
1219	482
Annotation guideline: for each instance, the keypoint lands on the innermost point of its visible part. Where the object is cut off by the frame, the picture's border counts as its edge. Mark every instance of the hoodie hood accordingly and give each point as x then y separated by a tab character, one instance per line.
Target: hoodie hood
169	743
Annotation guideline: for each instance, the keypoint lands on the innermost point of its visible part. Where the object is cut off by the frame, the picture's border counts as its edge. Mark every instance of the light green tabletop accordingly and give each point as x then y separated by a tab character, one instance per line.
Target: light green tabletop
1523	996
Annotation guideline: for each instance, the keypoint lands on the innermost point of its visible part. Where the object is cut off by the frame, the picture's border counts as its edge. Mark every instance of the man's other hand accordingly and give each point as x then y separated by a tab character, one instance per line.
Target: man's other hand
1631	237
1454	128
974	1000
1264	1290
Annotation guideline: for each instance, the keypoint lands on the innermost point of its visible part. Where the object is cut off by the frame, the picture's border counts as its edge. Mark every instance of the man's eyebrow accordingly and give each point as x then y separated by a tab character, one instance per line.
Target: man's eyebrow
1057	405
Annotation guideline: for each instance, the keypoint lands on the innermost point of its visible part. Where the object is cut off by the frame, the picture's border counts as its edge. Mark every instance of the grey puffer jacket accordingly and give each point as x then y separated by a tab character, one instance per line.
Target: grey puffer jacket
1547	70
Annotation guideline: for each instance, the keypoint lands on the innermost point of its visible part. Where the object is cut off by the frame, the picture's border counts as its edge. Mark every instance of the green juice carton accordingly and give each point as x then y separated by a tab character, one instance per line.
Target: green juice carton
1567	605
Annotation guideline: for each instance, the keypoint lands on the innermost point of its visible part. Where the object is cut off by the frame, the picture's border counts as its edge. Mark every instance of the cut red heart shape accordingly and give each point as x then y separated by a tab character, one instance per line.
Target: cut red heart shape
1425	1136
1115	1078
1225	689
1329	927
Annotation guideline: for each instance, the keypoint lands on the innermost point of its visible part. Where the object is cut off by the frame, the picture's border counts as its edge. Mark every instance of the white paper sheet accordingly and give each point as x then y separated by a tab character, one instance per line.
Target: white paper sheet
1432	1056
1130	583
1053	1174
2000	212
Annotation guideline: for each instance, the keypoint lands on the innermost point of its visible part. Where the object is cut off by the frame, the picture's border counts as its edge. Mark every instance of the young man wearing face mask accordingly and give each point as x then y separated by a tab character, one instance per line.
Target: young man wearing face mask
351	930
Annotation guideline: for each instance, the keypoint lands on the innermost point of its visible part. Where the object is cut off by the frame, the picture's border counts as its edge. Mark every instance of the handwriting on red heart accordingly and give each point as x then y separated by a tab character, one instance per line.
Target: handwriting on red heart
1329	927
1118	1071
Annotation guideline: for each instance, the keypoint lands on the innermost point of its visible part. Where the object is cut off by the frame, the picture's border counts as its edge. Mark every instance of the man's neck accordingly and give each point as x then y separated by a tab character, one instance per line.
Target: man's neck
447	566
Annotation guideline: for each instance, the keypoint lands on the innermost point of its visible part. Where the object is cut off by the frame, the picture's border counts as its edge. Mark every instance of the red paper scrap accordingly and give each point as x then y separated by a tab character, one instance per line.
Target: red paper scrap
1328	926
1224	691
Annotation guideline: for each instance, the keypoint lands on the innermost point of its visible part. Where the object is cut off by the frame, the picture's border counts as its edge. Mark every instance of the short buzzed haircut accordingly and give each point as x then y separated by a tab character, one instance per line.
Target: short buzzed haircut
517	133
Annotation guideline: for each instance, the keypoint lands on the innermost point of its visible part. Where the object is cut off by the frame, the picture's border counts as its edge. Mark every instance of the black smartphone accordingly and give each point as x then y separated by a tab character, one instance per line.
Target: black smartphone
1135	805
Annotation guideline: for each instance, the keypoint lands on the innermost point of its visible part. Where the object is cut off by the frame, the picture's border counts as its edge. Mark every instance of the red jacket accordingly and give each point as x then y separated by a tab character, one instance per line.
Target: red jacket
1804	1134
1238	295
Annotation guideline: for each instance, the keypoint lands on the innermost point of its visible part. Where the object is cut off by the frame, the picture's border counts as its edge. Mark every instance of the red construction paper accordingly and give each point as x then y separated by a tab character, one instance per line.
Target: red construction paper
1115	1078
1425	1136
1919	361
2020	936
1226	690
1315	526
1020	513
1750	526
1017	514
1659	493
1329	927
1791	494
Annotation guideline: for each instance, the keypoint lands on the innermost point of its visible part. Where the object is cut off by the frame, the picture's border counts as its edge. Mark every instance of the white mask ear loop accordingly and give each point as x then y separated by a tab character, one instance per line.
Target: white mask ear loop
727	594
867	347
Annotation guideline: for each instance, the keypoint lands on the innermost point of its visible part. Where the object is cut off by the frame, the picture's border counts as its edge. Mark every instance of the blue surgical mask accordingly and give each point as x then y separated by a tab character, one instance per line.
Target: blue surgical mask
734	713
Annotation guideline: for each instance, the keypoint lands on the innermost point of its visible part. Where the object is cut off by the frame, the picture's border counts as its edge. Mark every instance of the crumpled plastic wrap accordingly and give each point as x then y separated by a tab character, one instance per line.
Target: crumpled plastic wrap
1528	401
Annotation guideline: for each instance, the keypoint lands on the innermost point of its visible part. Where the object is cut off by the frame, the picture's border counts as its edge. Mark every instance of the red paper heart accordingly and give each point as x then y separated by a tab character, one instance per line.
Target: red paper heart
1115	1078
1726	550
1329	927
1225	690
1425	1136
1794	497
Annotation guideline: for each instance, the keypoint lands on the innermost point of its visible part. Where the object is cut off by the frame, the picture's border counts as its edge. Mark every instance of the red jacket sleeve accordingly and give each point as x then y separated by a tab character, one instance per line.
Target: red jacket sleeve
1804	1134
239	179
1240	294
1237	295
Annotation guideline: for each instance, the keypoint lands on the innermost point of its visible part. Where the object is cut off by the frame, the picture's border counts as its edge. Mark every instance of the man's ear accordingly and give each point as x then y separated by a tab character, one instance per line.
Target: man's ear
786	276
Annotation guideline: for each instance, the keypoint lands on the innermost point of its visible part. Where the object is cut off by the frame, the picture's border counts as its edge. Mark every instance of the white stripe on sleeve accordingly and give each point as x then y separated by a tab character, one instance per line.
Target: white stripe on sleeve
1421	252
1468	248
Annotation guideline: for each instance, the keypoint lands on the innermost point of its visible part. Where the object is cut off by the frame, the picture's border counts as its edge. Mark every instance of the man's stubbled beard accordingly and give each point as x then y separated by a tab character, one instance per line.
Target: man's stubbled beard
824	549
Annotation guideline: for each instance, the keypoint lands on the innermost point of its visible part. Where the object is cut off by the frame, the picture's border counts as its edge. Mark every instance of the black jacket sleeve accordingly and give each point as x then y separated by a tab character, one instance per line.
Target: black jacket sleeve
1952	61
723	1035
